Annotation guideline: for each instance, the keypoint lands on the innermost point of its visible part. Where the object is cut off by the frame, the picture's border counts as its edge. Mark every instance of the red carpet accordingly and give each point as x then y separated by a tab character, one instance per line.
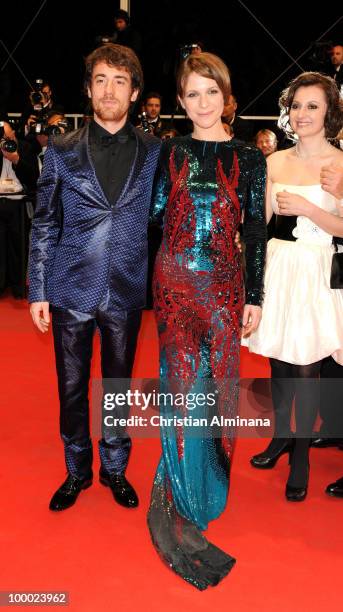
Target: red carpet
289	556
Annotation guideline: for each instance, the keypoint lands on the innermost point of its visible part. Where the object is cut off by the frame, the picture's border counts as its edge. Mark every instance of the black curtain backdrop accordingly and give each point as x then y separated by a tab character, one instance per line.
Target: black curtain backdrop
65	31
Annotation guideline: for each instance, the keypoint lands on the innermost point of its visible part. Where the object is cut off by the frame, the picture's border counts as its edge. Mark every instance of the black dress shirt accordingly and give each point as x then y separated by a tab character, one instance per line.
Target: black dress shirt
112	156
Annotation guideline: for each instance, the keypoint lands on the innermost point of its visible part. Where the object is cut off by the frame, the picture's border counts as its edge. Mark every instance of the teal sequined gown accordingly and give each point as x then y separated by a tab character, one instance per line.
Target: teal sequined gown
201	191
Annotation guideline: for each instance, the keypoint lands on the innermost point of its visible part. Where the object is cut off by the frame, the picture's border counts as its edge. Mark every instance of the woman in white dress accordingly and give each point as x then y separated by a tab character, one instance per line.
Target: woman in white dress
302	317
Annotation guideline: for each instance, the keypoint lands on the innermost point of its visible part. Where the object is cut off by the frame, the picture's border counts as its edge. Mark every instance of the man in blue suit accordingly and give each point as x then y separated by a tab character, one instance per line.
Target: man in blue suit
88	260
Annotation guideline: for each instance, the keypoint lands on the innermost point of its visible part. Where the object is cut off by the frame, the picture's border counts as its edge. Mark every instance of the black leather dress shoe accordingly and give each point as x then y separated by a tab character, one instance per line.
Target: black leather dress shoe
296	494
68	493
269	457
335	488
325	442
123	492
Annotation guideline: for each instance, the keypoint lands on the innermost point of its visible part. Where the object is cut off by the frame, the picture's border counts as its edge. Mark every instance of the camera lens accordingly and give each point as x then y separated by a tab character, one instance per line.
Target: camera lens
55	130
36	97
10	146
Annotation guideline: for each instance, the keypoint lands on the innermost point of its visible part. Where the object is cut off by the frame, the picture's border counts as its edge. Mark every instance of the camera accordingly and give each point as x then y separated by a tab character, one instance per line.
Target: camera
37	96
53	130
42	127
6	144
146	127
186	50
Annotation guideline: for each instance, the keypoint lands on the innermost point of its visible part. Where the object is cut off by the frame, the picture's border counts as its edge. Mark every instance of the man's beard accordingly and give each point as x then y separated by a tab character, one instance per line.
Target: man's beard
117	113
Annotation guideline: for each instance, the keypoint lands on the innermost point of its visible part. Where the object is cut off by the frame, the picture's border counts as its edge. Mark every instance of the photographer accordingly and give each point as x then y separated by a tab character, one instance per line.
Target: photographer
54	124
336	72
124	34
41	103
18	176
151	121
241	128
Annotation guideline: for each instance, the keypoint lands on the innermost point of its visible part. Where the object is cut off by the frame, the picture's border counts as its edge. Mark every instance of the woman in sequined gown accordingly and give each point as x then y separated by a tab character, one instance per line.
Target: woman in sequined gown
204	185
302	316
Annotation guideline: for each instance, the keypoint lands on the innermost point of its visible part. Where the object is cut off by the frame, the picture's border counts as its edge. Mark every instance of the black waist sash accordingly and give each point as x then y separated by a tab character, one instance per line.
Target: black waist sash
284	226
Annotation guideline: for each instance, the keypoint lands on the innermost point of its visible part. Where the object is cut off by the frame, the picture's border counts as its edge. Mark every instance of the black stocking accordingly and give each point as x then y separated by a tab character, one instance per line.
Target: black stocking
306	379
283	391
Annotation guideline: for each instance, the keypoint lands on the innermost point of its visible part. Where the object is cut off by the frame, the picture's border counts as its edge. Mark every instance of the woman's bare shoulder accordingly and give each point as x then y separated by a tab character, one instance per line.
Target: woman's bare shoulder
281	155
275	160
337	155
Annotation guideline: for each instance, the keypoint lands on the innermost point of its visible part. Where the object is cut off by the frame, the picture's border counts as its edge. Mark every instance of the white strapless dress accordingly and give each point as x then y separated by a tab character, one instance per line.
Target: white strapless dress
302	318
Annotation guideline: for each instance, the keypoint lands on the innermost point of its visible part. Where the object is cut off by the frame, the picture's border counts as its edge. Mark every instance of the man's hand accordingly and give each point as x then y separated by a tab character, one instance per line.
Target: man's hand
31	119
251	319
40	315
331	178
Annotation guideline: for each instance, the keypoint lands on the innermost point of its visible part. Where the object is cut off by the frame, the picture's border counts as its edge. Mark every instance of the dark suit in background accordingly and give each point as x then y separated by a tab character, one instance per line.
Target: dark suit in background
13	257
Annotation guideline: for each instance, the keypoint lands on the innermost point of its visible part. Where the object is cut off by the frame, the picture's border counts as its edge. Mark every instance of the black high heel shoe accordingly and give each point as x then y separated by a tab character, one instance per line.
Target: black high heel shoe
296	494
299	472
268	458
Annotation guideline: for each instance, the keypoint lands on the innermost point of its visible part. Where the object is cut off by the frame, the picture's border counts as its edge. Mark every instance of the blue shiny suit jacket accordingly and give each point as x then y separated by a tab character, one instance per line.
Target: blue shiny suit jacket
81	243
